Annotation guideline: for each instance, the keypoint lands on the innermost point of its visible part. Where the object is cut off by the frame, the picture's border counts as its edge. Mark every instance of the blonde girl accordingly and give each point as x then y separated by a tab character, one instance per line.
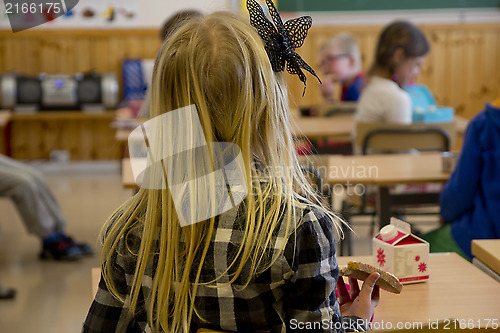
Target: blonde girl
267	263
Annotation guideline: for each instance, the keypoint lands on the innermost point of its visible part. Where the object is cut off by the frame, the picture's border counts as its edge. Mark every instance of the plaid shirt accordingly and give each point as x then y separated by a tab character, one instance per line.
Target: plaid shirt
296	292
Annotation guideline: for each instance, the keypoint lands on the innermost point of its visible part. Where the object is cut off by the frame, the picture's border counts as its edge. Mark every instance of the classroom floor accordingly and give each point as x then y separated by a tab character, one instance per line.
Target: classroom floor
54	297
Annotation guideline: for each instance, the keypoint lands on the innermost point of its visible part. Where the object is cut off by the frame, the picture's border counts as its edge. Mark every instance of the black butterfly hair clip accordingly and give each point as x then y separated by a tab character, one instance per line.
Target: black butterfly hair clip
281	40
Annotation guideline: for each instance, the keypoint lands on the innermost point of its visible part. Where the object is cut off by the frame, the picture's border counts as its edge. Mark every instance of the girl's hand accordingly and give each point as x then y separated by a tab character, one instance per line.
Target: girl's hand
360	303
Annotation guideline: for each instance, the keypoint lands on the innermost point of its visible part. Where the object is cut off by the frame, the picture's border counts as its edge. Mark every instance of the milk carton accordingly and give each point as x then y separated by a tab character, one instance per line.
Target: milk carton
401	253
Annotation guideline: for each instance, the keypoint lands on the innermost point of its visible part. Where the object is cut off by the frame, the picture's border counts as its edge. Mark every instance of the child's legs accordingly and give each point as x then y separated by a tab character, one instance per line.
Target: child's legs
32	197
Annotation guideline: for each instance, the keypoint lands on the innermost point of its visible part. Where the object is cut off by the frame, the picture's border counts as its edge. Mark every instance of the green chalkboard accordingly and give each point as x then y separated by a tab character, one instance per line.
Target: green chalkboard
356	5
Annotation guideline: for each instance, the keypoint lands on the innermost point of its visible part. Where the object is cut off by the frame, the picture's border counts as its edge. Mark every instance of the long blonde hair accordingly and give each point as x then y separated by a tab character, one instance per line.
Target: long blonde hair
219	64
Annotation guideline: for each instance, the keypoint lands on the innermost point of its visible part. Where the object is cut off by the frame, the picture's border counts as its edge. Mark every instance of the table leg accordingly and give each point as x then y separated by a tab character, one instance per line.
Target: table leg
383	206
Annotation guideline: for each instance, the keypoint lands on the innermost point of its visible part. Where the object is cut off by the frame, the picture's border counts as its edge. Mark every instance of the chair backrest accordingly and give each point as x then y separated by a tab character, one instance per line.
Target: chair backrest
388	137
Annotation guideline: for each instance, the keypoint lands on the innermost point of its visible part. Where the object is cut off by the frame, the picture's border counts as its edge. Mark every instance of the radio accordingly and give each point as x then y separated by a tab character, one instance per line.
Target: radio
59	92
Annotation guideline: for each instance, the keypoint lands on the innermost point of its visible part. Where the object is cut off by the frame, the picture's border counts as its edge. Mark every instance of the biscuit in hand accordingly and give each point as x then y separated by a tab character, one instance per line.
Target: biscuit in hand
361	271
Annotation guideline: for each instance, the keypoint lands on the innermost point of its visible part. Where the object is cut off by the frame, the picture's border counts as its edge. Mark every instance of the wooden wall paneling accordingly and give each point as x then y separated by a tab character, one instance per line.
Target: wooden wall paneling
119	52
86	142
69	141
25	139
67	59
50	55
3	54
52	134
10	54
33	140
82	53
474	69
134	47
107	146
456	44
437	63
313	91
33	52
368	42
85	136
150	47
491	68
100	55
7	54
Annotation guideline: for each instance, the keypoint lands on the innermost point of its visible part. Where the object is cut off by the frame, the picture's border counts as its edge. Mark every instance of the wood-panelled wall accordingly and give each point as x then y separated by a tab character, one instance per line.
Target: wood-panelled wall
462	70
85	136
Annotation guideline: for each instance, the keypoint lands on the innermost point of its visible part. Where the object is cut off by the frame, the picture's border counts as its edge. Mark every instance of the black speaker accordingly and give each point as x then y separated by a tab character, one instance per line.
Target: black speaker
29	90
89	90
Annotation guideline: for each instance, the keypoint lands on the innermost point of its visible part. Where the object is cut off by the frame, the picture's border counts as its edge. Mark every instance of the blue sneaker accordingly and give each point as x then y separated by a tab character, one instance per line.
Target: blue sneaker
60	249
7	293
85	249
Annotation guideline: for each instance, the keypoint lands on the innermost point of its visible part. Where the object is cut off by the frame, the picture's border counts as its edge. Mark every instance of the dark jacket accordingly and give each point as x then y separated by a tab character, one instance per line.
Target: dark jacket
471	198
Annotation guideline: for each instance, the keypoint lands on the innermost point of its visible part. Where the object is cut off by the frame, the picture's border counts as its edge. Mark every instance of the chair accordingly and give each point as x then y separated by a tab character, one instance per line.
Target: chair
393	138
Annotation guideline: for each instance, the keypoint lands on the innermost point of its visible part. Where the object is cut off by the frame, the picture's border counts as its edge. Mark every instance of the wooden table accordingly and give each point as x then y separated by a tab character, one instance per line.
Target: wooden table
456	289
339	127
95	273
385	171
128	180
486	254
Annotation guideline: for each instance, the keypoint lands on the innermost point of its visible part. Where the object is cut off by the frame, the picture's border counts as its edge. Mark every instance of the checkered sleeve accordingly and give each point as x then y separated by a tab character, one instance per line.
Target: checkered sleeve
105	312
108	314
310	303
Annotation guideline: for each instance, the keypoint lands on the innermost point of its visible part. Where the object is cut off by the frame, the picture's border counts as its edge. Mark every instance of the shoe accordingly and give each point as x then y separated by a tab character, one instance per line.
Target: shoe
60	249
7	293
85	249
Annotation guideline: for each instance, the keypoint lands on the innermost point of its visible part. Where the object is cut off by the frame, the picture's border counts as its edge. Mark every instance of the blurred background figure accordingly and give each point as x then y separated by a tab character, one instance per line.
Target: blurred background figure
39	210
138	108
341	63
401	50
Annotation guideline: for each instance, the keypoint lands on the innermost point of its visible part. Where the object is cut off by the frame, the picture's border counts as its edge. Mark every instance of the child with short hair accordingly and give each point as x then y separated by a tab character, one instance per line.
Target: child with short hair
341	62
269	262
401	50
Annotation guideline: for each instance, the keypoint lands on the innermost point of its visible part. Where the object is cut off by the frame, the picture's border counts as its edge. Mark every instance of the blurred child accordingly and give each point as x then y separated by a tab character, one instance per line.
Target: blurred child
341	63
254	267
470	200
39	210
402	48
140	109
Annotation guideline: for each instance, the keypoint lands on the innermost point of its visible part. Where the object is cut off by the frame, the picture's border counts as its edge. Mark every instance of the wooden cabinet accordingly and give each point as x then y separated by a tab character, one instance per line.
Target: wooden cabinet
86	136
